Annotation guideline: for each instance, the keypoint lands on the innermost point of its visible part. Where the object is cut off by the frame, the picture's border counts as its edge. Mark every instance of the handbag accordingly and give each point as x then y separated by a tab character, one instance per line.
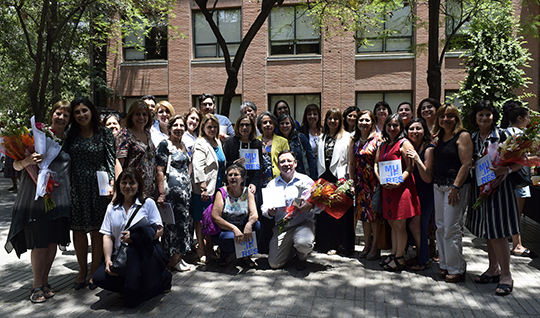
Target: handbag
120	260
208	226
376	201
521	178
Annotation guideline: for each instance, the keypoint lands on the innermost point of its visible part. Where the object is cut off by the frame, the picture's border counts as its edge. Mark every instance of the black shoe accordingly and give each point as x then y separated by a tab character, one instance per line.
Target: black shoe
301	265
92	286
78	286
12	189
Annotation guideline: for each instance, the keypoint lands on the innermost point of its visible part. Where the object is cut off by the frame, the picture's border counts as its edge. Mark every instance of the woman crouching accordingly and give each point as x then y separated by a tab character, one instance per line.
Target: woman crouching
133	220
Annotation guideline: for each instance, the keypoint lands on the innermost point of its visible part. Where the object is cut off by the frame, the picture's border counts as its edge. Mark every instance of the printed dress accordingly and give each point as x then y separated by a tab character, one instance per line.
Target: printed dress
139	155
89	155
176	237
365	180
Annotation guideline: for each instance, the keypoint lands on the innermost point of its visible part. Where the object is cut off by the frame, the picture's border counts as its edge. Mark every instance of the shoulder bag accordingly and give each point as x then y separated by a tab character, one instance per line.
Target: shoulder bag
120	261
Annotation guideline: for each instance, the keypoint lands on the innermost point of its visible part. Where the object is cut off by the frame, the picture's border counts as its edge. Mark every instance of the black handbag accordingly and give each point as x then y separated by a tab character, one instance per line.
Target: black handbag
120	261
521	178
376	200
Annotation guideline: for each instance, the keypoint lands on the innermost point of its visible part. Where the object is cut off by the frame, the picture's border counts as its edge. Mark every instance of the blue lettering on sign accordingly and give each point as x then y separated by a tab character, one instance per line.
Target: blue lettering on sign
392	170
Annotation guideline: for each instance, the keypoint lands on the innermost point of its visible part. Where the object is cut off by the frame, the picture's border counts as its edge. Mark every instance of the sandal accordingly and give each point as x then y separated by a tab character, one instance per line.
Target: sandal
504	289
399	266
387	260
486	279
248	262
48	291
37	295
420	267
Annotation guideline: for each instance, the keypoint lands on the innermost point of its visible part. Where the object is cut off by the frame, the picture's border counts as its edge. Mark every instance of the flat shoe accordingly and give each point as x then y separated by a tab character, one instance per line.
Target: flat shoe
373	257
505	289
526	253
485	279
49	293
78	286
92	286
420	267
37	295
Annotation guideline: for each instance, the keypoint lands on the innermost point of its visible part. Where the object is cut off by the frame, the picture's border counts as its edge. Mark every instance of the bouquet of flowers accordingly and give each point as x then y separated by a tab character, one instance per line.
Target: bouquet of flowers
513	150
47	144
15	140
334	198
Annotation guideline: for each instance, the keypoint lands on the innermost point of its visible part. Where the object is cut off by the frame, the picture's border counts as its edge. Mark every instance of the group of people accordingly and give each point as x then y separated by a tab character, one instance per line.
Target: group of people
156	160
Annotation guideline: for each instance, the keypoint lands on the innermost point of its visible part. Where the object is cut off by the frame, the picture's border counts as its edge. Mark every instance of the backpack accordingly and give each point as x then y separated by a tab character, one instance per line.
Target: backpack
209	228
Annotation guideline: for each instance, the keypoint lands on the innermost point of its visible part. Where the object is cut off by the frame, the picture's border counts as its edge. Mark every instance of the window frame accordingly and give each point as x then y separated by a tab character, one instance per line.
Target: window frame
385	93
147	44
273	98
294	42
218	51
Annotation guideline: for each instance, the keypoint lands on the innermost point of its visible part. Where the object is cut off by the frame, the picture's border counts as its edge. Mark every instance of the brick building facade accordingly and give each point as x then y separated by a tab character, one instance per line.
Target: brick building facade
338	75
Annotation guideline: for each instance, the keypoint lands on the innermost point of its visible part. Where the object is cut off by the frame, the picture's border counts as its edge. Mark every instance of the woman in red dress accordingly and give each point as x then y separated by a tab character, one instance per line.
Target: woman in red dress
399	198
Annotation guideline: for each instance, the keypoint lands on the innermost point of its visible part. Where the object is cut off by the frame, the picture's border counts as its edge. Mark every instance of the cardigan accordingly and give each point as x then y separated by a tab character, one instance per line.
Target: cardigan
340	157
205	166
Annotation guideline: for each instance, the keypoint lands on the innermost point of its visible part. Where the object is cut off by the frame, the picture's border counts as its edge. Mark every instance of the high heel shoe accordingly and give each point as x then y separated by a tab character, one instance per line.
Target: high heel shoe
398	266
505	289
387	260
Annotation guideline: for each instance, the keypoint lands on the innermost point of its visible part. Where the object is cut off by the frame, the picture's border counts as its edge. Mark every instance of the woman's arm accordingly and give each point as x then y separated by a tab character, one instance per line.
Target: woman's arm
32	159
159	232
160	180
110	156
312	162
252	219
108	245
352	161
376	165
424	168
465	151
162	159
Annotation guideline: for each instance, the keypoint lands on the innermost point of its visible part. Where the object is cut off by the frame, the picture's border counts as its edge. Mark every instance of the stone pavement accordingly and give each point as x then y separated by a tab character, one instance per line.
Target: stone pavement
332	286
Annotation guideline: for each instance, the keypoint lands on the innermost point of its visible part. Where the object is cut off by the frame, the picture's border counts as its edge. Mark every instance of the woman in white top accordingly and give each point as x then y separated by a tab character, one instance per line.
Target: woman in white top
146	261
333	158
159	132
381	111
193	119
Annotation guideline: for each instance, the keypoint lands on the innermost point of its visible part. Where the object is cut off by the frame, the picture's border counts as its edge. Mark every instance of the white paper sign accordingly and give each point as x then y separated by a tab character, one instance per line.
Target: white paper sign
246	248
273	197
390	171
103	183
167	215
483	173
252	158
222	130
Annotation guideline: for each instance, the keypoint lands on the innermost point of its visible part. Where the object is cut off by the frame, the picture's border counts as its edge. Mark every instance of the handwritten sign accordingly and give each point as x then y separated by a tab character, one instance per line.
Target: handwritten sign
246	248
483	173
390	171
252	159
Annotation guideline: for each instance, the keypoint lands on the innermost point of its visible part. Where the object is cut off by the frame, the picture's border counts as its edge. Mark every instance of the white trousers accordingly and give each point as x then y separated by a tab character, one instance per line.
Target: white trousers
297	240
449	234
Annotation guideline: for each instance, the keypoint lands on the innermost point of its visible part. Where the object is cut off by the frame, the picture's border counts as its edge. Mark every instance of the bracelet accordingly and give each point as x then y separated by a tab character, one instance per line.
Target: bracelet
202	190
456	187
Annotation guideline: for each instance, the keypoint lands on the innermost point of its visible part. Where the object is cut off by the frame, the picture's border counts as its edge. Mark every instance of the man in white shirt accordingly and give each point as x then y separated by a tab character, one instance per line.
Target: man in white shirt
299	232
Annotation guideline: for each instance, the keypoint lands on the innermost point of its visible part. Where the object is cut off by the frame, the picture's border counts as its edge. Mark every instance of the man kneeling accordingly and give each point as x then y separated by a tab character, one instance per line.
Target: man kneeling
298	233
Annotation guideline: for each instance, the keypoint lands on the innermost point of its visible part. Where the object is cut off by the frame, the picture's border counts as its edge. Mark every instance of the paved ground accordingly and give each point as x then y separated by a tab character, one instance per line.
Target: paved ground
333	286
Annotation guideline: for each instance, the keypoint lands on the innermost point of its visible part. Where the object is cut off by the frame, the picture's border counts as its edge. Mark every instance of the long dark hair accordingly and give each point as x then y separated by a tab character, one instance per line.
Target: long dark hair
397	118
281	101
347	111
95	121
132	174
426	140
430	100
512	109
357	133
333	112
281	118
305	125
481	105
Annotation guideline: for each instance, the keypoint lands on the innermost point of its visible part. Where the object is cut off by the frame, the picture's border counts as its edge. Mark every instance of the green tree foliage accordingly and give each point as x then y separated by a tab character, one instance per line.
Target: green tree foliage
495	61
47	45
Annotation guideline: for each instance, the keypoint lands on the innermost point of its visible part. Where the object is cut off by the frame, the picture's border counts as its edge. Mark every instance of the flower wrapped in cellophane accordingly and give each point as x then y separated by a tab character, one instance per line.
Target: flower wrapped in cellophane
335	199
513	150
15	140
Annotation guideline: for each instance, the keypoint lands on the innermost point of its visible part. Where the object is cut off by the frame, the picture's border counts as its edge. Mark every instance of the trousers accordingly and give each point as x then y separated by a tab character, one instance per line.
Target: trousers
298	240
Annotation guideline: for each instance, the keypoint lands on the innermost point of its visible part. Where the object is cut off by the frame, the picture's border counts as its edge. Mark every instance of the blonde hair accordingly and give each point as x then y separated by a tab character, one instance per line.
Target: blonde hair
167	105
454	111
205	119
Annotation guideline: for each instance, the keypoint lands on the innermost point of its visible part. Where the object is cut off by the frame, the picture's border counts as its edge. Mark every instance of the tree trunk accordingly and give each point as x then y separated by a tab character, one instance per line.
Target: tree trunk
434	68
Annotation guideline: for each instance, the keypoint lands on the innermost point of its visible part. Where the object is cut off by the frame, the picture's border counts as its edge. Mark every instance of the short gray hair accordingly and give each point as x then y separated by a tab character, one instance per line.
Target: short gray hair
248	103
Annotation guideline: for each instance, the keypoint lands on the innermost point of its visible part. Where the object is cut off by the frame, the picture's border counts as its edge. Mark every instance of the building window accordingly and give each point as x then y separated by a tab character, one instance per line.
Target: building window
229	23
292	32
451	98
297	103
141	47
456	12
395	34
130	100
368	100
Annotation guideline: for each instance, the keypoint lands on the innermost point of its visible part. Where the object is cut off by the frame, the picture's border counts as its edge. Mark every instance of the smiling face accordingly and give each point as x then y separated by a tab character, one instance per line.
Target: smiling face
351	119
405	112
282	108
151	104
60	119
163	115
287	164
129	188
484	119
178	128
268	125
447	121
392	129
381	113
192	122
140	118
364	123
416	133
333	122
245	128
207	106
285	127
313	117
234	178
427	110
248	111
83	115
113	125
211	128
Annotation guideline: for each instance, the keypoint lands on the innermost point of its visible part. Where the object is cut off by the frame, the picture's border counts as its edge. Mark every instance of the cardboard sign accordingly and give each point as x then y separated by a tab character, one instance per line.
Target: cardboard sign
222	130
103	183
483	173
390	171
166	212
252	159
247	248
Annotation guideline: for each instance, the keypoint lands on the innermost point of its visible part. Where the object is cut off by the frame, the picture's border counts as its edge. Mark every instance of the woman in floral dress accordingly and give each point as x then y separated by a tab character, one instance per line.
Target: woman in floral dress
175	172
362	151
134	147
